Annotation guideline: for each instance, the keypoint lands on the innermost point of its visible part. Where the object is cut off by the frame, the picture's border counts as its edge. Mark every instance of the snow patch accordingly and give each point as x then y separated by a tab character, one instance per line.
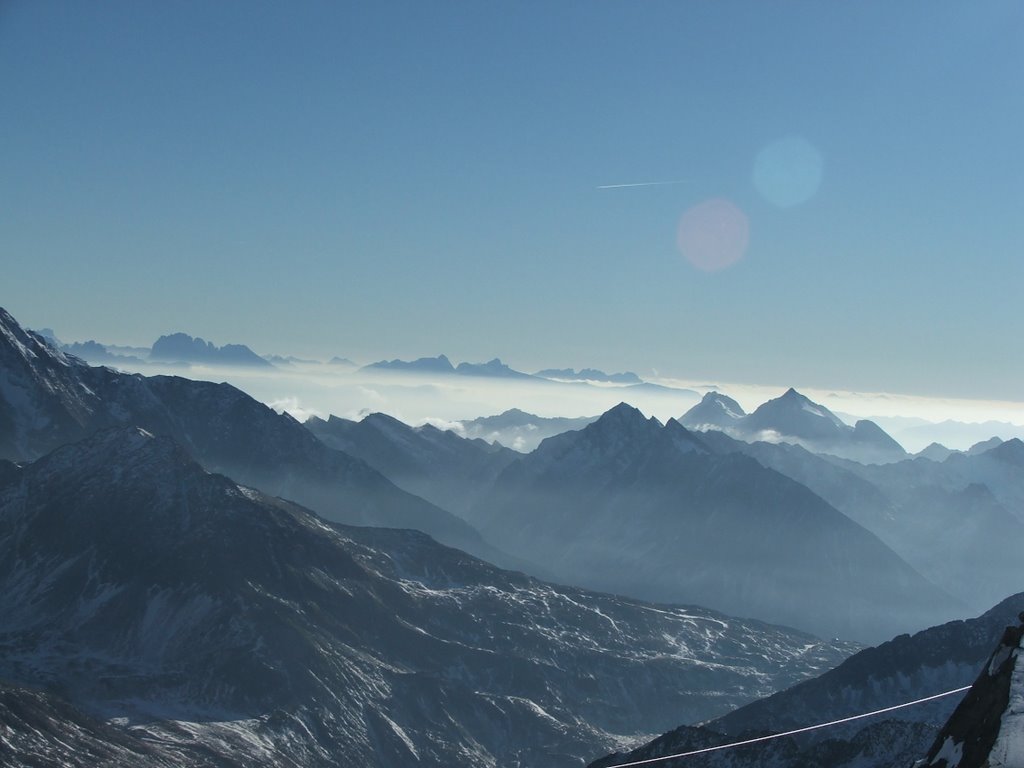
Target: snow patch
1008	751
951	752
400	733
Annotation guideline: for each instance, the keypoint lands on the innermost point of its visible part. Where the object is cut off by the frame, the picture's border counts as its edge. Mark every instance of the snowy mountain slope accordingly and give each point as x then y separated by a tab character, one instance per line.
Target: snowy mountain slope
200	614
885	744
50	399
907	667
41	403
714	411
39	729
794	418
437	465
903	669
629	506
987	728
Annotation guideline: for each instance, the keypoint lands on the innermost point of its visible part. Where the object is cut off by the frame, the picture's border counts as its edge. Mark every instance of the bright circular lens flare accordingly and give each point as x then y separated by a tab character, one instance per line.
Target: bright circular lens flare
713	234
788	172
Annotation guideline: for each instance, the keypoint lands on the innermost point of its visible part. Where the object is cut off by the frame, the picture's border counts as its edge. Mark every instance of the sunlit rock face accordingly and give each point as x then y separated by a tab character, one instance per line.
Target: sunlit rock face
987	729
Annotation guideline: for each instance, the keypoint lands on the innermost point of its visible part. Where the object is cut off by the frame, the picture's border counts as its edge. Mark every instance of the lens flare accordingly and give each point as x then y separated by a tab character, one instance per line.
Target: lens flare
788	172
713	235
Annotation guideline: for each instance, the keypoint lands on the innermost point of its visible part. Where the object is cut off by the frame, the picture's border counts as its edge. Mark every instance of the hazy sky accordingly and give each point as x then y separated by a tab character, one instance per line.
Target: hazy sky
403	179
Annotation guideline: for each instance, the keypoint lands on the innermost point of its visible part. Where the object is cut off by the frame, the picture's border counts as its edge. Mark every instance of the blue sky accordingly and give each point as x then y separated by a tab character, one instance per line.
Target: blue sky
387	180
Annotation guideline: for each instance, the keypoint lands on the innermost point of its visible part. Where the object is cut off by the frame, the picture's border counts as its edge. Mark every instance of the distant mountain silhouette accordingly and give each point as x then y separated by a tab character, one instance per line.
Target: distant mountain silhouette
795	418
935	452
983	446
180	347
958	522
493	368
286	360
442	467
94	352
589	374
439	364
520	430
714	411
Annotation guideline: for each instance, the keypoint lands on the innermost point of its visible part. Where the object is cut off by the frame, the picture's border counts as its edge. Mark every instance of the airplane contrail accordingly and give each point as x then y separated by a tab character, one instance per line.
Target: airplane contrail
642	184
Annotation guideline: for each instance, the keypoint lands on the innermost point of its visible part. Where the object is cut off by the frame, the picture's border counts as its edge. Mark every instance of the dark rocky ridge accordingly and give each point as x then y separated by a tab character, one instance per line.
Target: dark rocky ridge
987	728
48	399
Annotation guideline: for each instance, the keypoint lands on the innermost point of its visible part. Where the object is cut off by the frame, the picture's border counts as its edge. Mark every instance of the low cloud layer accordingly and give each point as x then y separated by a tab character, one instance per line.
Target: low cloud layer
321	390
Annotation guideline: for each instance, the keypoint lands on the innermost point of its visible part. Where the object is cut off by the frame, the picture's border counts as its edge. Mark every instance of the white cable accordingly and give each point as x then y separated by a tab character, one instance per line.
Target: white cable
791	733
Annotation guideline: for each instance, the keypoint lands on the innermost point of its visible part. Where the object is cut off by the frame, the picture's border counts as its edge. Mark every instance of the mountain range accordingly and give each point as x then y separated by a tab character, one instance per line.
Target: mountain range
165	600
458	474
441	364
208	623
633	507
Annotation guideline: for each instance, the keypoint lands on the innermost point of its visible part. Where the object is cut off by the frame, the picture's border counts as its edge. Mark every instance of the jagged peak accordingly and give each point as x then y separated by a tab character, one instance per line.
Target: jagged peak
867	431
1011	451
791	400
515	412
984	446
27	344
383	420
684	438
724	401
622	412
623	420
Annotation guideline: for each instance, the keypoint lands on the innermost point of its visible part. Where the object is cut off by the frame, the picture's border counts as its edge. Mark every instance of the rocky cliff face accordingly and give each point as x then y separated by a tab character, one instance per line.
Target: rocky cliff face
987	728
